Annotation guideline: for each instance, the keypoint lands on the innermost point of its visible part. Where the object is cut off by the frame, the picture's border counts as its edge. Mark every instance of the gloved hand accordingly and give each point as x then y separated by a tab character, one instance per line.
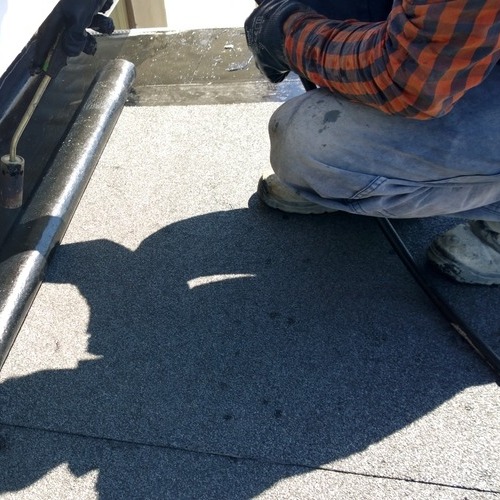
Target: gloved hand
102	24
265	38
64	33
106	6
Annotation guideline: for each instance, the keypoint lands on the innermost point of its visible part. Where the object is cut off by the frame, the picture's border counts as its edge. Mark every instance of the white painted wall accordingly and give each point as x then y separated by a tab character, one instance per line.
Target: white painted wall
193	14
19	21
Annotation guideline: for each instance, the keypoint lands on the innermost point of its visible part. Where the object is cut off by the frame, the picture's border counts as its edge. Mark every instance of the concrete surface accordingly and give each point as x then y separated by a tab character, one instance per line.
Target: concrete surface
190	343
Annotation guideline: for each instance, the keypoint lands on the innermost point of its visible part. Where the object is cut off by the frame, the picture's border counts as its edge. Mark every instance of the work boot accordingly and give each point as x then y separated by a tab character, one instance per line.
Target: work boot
469	253
275	194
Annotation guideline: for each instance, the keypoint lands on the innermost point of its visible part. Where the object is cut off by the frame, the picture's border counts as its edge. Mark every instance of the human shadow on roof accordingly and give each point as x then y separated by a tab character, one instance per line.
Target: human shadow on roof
230	336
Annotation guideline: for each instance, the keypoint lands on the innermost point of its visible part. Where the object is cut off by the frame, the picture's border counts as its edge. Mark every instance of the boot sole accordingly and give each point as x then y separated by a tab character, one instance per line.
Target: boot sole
444	263
289	207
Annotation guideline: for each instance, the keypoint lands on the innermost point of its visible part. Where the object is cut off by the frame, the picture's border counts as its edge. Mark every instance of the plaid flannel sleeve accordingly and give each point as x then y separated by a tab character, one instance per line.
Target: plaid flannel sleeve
418	63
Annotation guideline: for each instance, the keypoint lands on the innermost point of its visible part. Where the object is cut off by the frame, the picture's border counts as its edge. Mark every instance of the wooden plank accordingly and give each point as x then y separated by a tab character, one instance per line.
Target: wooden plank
120	15
146	13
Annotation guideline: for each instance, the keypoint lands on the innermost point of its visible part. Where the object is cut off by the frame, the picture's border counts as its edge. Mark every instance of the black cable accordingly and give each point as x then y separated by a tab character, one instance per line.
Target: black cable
489	356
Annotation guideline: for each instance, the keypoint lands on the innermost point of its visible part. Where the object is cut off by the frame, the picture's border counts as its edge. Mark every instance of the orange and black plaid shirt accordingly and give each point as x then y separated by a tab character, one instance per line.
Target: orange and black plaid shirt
418	63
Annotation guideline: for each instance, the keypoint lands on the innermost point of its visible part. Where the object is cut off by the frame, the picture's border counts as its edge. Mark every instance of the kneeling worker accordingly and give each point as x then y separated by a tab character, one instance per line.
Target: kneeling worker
405	122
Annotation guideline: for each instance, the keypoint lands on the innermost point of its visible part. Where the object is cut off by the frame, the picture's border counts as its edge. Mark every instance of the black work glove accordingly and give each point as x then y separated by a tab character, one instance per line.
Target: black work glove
64	33
102	24
106	6
79	15
265	38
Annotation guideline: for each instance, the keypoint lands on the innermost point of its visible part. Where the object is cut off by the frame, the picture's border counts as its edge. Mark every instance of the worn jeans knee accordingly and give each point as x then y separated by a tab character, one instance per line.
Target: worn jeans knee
354	158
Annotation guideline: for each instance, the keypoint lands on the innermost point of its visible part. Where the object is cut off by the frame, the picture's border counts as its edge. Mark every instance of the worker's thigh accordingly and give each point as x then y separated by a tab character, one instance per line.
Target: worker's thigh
355	158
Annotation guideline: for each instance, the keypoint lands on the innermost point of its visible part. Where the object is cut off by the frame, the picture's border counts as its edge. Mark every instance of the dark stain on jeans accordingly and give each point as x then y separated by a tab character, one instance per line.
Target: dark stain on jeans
331	117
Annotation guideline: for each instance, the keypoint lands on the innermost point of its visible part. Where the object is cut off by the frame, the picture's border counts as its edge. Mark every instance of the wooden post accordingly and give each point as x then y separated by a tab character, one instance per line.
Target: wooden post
120	15
146	13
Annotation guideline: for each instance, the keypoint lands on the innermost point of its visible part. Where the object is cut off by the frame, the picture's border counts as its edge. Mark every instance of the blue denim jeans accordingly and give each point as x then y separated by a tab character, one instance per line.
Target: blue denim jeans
353	158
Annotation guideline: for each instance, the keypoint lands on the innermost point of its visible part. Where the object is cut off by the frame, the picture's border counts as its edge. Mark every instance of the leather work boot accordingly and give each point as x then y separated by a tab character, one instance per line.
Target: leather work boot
275	194
469	253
